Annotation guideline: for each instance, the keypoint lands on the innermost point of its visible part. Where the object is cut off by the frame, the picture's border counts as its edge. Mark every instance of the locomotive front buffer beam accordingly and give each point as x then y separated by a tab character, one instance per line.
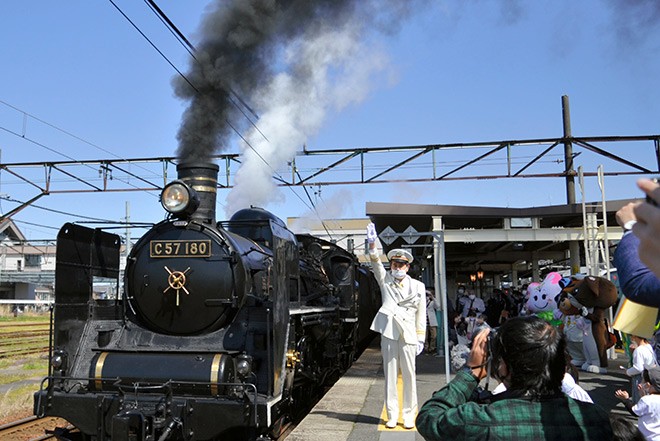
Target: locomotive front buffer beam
140	413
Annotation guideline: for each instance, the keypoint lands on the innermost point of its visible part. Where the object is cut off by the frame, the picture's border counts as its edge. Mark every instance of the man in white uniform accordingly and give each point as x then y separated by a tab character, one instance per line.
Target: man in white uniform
401	321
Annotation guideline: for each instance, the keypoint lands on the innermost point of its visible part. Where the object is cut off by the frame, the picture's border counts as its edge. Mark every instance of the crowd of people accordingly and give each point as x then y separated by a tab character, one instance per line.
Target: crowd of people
473	313
537	396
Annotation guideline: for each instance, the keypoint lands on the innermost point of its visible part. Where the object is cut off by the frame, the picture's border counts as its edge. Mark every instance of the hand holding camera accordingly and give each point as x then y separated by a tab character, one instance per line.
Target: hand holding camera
647	228
649	196
478	356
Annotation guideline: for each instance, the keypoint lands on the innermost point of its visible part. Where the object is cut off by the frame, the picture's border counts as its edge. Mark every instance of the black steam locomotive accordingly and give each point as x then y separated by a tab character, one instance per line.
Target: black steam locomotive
225	330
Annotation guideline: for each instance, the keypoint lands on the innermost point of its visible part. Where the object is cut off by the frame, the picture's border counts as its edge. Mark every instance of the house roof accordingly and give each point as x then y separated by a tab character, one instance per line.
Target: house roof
9	229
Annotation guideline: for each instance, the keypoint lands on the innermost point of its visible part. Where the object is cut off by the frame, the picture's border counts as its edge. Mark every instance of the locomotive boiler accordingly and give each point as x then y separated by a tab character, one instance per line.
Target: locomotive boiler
224	330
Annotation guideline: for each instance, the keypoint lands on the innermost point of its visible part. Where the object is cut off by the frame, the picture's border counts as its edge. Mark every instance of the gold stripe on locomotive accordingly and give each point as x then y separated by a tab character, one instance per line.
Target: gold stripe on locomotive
204	188
98	370
189	179
179	248
215	367
196	181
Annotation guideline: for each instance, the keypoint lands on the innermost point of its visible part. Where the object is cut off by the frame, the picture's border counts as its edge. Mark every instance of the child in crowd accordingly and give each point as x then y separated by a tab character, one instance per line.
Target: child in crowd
648	407
643	357
625	430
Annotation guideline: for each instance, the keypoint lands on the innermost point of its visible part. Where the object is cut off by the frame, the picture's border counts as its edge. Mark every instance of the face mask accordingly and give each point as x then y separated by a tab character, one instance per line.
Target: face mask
398	273
471	296
460	291
645	389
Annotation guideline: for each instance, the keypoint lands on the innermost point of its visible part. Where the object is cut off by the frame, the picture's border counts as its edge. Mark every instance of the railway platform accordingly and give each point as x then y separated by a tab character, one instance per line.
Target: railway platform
353	409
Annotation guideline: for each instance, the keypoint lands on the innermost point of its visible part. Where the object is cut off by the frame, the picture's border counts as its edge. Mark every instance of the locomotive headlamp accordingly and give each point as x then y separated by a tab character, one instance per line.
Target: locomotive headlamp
244	365
177	198
58	361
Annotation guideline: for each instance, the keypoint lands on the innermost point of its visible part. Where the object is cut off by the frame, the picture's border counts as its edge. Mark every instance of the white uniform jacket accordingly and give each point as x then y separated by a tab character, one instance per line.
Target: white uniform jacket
403	312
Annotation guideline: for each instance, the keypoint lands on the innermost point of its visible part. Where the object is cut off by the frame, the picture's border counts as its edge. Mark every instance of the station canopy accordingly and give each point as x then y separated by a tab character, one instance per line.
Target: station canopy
490	239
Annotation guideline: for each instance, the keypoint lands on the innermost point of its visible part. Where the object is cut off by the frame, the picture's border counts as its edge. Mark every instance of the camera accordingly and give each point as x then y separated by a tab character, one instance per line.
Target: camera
483	395
490	346
492	336
649	199
492	351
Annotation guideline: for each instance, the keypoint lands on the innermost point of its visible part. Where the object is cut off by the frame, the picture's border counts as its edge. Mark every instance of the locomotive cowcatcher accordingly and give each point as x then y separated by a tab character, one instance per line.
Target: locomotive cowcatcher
224	330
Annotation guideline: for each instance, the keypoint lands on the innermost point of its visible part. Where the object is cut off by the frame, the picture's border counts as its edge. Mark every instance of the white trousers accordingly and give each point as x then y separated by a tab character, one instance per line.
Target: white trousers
399	355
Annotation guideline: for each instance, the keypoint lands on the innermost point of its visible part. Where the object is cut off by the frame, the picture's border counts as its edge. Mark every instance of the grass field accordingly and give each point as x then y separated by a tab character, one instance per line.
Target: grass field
23	361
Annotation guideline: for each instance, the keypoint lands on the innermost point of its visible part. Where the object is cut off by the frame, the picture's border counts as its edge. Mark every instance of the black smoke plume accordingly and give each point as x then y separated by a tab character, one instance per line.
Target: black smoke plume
235	55
238	52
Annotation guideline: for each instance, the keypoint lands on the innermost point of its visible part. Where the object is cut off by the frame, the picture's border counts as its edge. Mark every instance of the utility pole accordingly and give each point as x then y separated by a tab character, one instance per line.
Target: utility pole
128	229
127	249
574	246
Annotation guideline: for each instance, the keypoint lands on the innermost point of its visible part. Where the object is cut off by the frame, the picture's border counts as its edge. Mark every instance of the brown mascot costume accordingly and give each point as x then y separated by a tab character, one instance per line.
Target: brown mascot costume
589	297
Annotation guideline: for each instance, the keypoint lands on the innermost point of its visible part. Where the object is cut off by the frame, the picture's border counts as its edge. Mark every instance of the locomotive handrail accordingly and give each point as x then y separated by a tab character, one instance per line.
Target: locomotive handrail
41	409
218	302
137	387
256	250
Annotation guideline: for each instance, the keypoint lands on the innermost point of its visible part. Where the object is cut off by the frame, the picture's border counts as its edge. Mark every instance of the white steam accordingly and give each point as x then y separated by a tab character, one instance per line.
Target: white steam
322	73
335	207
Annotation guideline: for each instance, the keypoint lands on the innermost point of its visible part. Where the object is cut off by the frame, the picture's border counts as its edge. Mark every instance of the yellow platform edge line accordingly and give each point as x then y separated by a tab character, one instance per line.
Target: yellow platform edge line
383	414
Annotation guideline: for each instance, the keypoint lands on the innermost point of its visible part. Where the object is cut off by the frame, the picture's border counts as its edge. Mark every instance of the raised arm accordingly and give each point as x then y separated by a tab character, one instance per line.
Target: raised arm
374	256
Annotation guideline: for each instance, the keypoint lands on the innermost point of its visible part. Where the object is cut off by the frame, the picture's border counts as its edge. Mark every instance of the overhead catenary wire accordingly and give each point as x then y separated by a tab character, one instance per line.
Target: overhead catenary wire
313	205
66	132
190	48
53	150
66	213
34	224
153	45
173	29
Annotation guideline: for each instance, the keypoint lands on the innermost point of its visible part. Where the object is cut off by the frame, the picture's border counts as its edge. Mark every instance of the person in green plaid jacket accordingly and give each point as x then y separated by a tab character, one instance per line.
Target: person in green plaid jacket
528	355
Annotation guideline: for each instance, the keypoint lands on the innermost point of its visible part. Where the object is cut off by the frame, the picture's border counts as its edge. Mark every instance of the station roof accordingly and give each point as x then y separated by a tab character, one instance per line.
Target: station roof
493	238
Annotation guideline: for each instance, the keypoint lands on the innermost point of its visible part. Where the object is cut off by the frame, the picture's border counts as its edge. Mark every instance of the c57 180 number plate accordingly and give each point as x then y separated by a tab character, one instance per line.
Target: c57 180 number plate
180	248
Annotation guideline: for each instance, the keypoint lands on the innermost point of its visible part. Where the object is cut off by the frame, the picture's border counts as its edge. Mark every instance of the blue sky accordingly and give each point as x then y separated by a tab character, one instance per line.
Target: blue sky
453	71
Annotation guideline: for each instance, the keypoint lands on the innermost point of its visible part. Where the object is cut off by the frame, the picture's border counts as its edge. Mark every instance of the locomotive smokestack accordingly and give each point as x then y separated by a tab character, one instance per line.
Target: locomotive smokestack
203	178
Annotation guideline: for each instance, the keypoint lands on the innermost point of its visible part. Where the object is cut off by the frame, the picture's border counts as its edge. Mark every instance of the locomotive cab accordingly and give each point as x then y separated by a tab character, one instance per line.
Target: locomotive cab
256	224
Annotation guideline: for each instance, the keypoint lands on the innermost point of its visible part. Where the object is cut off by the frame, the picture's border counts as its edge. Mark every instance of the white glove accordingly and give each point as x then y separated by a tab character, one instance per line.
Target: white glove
581	323
557	314
584	311
371	233
420	347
